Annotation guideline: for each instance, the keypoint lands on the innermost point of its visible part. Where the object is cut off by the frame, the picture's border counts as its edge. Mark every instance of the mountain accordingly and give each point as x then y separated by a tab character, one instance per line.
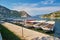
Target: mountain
24	14
5	12
52	15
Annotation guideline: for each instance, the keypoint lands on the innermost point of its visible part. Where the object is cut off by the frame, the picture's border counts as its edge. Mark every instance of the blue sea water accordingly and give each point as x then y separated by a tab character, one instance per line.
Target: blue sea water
57	27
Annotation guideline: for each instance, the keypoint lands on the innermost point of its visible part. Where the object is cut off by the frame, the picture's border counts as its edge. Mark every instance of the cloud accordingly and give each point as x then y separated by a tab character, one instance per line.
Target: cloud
25	4
47	2
33	10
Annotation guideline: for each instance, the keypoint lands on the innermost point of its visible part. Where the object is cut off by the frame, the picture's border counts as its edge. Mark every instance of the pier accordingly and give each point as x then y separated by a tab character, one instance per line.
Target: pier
27	33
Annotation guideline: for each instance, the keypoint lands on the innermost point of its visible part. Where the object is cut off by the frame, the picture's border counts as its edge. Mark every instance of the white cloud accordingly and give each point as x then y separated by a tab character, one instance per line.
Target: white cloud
32	10
47	2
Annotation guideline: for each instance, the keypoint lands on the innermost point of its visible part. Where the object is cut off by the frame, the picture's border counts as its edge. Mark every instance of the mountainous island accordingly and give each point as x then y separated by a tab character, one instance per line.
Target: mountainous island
7	13
53	15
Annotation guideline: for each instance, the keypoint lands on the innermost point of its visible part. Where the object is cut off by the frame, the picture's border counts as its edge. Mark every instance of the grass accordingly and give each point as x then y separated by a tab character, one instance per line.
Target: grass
51	33
8	35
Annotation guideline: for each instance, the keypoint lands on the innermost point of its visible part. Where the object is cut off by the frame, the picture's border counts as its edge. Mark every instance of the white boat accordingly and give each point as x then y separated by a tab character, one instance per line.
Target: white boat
45	25
49	26
38	24
34	23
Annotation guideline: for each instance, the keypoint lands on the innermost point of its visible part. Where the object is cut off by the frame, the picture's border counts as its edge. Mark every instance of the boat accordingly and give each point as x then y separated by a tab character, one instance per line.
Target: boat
39	24
45	25
33	23
49	26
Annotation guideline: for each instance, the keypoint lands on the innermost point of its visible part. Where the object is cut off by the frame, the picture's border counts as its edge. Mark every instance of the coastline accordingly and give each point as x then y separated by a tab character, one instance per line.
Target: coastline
51	18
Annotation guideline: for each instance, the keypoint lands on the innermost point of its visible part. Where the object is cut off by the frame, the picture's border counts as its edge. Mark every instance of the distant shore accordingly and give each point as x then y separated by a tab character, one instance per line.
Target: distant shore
51	18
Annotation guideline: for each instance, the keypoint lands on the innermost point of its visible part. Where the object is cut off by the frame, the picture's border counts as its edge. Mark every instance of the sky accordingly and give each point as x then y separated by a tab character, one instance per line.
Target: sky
32	7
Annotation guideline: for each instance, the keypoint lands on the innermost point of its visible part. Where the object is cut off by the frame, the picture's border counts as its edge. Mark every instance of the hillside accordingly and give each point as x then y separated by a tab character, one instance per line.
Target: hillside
52	15
24	14
5	12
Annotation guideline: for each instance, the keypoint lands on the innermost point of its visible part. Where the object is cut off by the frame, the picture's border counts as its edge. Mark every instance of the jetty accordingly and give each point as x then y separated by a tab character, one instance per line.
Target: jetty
27	33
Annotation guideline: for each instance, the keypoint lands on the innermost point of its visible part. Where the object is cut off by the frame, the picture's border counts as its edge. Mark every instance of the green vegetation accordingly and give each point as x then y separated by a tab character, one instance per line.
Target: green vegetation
52	15
8	35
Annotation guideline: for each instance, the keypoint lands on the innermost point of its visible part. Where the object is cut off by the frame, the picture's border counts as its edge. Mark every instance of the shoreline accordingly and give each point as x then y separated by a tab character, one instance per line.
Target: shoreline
51	18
